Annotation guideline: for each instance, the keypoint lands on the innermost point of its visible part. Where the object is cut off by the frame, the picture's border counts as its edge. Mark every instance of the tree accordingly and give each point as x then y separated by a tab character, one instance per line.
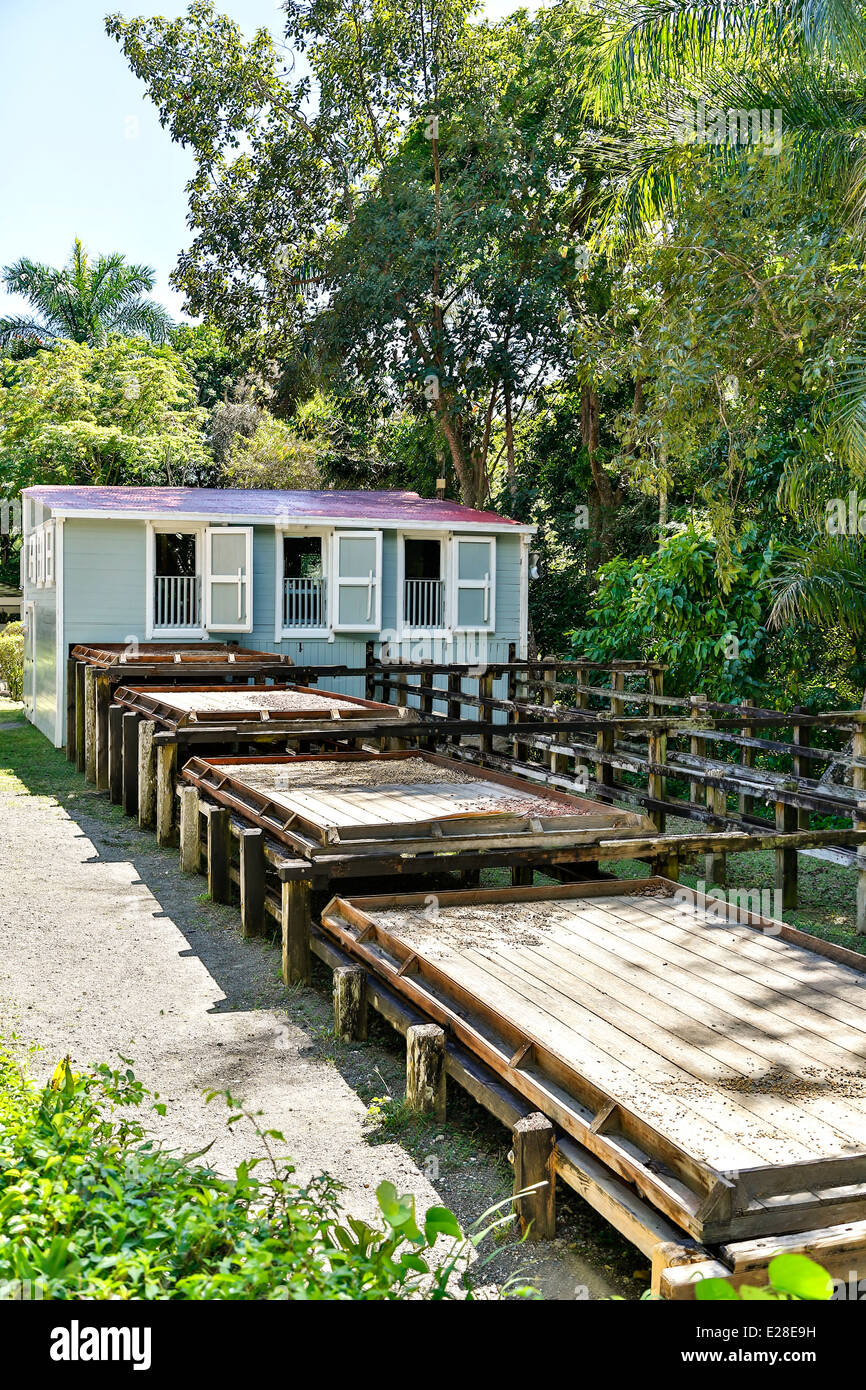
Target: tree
84	301
410	224
121	413
273	456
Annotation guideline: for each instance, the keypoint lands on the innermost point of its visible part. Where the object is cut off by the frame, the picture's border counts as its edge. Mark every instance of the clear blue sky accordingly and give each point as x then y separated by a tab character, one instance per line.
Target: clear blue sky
83	153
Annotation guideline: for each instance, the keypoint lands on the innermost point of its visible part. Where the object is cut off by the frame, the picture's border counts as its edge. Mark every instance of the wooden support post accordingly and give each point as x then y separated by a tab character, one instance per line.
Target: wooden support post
802	735
71	668
716	863
485	713
425	1069
617	683
103	703
90	723
604	743
252	875
146	776
696	748
297	924
130	763
455	682
370	676
219	844
786	859
745	802
115	754
668	866
166	783
350	1003
548	699
80	702
655	686
657	753
534	1140
581	700
190	832
521	875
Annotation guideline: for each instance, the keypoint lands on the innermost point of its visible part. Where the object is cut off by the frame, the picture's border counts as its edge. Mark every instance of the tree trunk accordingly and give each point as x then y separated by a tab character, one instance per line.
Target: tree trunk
604	497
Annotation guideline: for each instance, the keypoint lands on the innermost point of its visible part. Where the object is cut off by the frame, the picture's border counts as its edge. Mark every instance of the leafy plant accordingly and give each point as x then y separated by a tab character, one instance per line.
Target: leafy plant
12	659
790	1277
92	1207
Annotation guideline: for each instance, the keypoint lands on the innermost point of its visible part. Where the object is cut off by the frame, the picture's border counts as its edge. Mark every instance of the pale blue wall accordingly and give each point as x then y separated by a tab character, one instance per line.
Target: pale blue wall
105	601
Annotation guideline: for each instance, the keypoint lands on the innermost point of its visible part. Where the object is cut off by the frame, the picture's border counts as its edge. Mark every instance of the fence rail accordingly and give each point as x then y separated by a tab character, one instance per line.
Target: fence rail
304	603
176	601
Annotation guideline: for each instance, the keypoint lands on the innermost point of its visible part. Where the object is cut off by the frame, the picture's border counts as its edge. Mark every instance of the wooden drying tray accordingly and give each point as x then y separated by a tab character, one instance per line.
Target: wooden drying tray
239	705
612	1023
204	654
311	825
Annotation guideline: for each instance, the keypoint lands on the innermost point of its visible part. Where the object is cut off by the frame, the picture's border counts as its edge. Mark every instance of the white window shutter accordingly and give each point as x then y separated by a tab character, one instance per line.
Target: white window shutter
357	570
474	584
228	578
49	554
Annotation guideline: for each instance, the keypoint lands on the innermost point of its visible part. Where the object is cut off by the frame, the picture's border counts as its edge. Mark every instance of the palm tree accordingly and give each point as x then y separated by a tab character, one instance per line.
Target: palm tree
806	58
85	300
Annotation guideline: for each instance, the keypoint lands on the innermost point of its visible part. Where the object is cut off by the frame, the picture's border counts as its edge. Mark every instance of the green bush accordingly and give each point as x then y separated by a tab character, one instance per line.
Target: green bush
12	659
92	1208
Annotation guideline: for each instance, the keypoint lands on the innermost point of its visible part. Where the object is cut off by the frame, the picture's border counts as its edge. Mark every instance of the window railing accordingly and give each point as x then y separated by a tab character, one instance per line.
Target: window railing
304	603
424	603
176	601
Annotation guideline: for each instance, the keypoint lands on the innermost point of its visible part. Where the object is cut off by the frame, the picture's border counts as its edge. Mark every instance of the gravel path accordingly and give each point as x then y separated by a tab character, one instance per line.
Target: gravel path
108	951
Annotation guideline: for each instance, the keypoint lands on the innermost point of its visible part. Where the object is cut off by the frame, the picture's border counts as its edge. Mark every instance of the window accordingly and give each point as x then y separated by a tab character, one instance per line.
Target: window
31	559
423	584
176	595
357	570
40	556
229	605
474	567
304	586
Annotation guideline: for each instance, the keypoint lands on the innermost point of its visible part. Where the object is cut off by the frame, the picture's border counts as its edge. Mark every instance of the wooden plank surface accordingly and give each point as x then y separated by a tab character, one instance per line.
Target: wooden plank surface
697	1028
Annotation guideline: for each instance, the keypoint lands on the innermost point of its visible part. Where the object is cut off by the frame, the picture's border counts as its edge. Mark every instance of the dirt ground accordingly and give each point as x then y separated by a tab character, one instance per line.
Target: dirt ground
108	951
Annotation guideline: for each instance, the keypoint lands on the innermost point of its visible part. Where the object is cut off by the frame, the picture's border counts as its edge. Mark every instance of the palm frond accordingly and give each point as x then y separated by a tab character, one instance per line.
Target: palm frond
822	583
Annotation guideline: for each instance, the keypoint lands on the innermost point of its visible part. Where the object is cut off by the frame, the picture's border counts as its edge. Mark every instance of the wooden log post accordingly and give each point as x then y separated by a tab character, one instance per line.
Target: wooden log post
581	700
80	720
696	747
90	723
190	832
350	1003
716	862
802	734
166	785
252	876
786	859
296	929
103	704
655	687
533	1142
657	753
71	668
485	714
219	844
667	865
146	776
746	803
370	665
115	754
604	742
129	737
455	683
521	875
548	699
425	1069
617	684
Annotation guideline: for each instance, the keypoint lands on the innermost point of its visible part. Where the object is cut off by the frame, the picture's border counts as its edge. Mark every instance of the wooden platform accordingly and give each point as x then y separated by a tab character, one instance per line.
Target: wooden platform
241	706
720	1068
162	655
373	803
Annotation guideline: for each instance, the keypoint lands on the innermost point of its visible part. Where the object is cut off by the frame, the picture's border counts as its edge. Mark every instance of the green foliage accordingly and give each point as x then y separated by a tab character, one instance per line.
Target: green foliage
84	300
12	659
92	1208
216	369
791	1277
121	413
275	456
677	606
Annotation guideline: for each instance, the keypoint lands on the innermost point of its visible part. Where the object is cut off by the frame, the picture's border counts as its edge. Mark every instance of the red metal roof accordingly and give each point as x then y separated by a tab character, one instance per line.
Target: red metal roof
265	503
